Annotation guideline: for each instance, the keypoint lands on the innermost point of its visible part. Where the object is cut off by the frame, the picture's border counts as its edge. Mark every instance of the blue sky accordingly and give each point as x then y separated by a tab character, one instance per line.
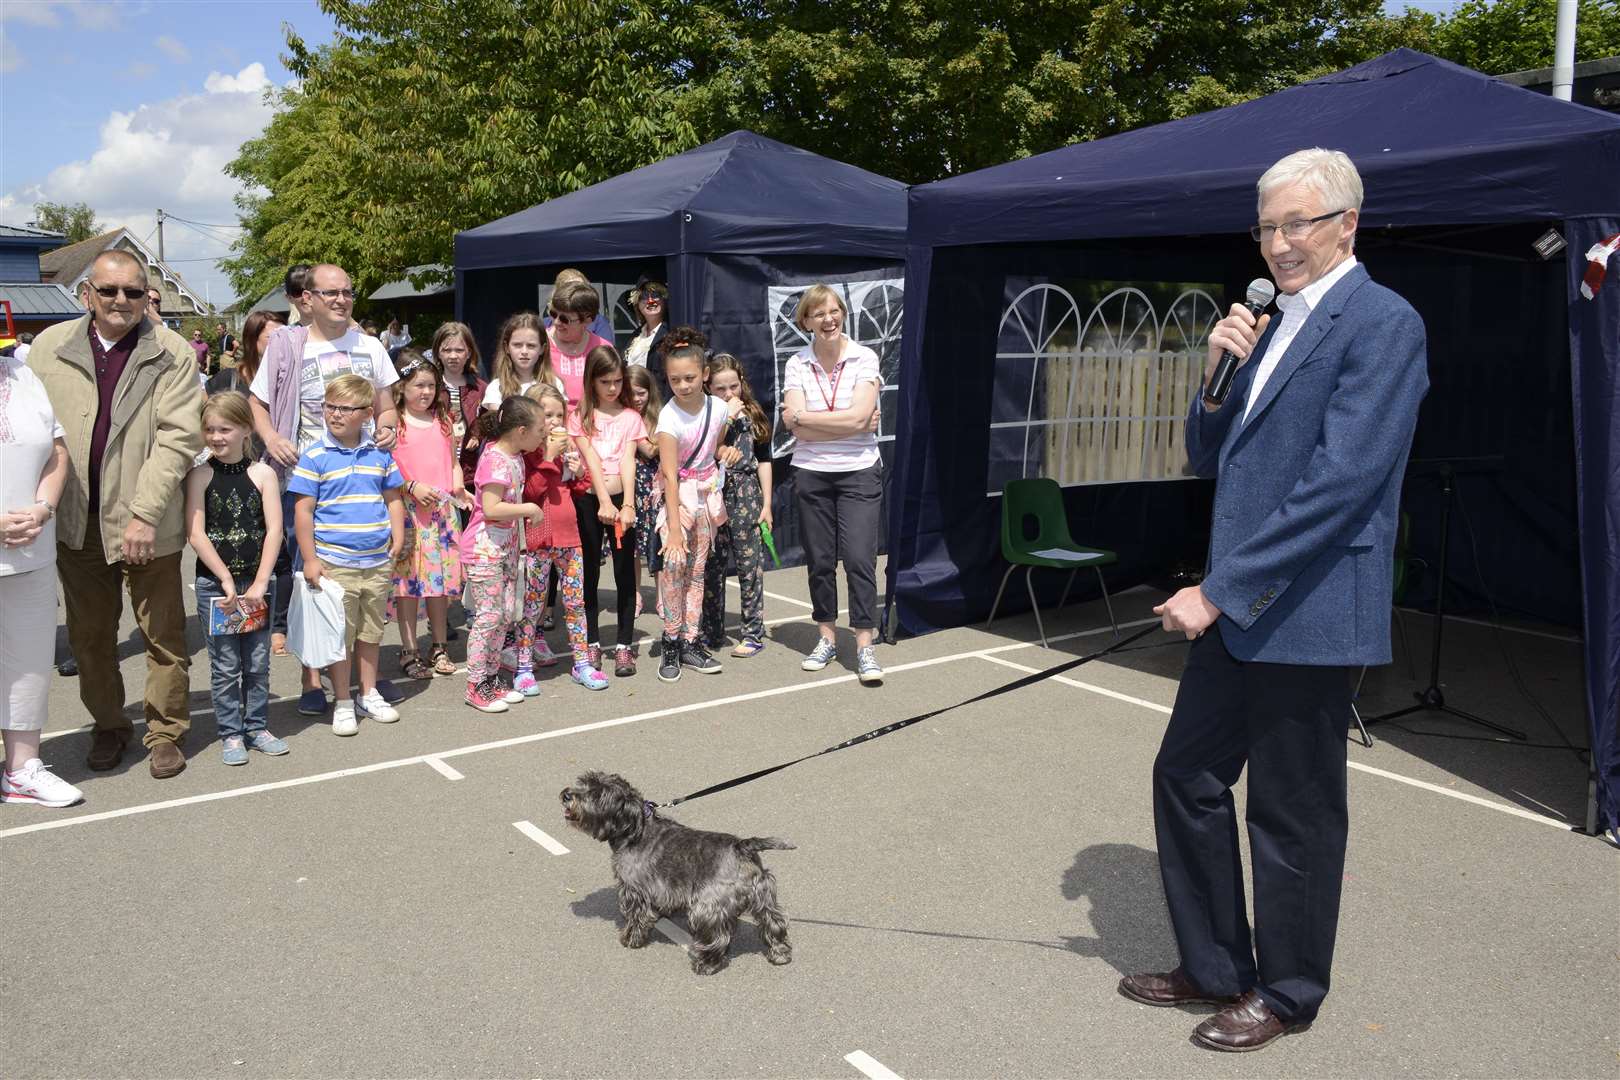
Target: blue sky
132	105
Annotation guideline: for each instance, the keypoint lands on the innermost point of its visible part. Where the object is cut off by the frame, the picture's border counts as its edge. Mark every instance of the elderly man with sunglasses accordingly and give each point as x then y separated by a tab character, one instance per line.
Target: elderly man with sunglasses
125	390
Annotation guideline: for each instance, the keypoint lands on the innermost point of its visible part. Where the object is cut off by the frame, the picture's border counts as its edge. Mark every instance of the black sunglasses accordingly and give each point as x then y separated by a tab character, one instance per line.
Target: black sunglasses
110	292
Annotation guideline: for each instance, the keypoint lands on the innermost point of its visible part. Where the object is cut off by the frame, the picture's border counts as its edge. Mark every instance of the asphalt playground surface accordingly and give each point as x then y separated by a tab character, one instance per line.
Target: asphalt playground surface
964	897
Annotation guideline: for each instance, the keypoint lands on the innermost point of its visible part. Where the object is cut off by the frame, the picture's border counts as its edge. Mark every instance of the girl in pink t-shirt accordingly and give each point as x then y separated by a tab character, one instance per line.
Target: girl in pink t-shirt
491	545
429	565
606	430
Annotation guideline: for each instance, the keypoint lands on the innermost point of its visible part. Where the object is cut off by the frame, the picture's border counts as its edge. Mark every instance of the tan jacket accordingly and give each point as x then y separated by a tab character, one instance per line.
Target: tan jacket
156	433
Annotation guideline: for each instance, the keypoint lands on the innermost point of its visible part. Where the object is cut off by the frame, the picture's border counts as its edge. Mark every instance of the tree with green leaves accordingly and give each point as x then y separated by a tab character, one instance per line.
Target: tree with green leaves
426	117
76	222
1499	36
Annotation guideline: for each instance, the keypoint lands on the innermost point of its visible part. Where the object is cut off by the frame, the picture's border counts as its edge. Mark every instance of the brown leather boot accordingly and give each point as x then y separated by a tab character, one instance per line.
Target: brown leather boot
106	749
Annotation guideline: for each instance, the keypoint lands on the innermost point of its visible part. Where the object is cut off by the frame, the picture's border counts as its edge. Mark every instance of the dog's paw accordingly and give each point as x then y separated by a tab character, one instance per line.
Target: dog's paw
780	955
632	940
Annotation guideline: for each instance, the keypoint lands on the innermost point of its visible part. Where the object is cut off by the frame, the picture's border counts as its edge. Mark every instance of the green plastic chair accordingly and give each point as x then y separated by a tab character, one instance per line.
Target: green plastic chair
1042	499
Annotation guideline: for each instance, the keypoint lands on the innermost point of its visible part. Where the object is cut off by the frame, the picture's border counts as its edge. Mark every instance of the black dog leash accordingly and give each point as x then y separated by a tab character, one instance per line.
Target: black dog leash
1006	688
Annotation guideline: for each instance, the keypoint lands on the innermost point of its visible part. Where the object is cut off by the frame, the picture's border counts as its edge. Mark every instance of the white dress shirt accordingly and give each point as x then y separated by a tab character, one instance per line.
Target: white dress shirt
1295	308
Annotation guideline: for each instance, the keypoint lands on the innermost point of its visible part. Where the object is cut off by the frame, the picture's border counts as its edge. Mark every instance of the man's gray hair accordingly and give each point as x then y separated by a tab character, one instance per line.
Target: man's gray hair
1330	173
119	255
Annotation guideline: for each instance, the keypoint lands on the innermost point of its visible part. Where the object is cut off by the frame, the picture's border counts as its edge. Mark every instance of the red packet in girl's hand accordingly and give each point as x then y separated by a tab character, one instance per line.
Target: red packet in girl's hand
242	617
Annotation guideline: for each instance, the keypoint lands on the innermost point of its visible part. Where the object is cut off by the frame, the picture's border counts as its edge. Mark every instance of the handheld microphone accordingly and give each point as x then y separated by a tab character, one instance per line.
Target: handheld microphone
1260	294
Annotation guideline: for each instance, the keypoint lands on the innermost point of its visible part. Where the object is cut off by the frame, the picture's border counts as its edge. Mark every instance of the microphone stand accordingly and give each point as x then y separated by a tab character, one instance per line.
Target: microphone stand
1431	698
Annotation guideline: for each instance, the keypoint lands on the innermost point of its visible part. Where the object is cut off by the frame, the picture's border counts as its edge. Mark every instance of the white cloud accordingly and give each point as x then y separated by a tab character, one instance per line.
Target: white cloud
142	70
31	12
87	14
172	48
170	154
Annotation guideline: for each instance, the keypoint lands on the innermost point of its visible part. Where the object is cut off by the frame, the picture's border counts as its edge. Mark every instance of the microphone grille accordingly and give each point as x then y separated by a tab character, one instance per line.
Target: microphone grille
1261	292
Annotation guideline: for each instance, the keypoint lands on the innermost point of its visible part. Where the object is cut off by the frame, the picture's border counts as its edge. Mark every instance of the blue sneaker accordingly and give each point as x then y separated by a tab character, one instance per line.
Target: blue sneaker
266	743
589	677
235	751
389	692
312	702
526	684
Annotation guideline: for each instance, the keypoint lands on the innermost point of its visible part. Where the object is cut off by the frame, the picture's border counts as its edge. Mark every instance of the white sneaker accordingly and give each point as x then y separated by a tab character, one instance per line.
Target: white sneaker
372	706
34	783
343	721
514	697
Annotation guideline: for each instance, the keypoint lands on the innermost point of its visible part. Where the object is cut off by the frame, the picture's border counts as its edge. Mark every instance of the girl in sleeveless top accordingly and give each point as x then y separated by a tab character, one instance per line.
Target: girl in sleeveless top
233	520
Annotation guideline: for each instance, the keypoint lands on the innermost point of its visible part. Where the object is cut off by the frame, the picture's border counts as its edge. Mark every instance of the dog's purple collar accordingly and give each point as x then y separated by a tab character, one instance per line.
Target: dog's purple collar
648	808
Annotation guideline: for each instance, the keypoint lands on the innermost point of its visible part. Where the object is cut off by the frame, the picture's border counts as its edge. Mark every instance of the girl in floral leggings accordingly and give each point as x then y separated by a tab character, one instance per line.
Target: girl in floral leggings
553	544
491	545
689	431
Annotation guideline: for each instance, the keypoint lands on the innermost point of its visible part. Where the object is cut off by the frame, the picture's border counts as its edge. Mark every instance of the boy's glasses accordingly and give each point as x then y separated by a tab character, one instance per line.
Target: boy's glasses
343	410
569	320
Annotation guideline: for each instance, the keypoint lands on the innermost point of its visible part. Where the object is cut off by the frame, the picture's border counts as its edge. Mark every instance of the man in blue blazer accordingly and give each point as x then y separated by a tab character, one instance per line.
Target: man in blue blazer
1307	452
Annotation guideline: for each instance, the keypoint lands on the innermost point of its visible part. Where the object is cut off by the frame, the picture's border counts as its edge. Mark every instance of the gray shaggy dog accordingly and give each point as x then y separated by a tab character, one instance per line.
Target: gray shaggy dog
663	867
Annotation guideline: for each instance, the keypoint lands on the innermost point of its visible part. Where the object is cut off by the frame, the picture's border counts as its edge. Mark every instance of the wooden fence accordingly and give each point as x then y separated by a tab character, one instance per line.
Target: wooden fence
1115	416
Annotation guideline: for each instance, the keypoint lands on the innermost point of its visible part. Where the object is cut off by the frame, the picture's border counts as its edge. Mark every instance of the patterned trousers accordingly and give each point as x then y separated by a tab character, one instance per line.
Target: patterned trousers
570	566
488	600
680	585
737	542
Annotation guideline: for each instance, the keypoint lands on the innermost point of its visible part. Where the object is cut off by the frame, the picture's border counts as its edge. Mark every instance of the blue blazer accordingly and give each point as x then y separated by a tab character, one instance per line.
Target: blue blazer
1307	490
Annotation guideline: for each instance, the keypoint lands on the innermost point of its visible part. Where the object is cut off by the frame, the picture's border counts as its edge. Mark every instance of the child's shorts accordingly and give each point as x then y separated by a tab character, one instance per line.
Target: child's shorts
365	601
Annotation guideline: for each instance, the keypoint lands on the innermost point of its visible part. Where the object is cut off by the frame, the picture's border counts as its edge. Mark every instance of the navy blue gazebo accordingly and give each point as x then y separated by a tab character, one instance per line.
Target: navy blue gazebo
1463	172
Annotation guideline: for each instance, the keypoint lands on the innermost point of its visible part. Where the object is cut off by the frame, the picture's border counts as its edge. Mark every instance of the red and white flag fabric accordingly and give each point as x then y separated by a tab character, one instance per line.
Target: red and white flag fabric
1597	264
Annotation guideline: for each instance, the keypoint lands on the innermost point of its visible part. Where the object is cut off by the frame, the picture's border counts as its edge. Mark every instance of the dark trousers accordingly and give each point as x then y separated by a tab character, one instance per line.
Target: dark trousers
93	591
840	514
1287	723
624	568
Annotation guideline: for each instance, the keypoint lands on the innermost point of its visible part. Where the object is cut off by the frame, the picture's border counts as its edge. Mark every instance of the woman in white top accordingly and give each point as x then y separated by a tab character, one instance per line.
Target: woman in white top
33	468
829	403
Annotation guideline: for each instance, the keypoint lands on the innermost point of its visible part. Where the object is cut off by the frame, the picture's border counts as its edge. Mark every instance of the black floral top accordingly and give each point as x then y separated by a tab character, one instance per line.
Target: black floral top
233	518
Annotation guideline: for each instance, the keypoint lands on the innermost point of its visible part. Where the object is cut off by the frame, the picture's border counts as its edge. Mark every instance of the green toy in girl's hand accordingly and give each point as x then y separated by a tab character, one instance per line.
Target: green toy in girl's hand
770	542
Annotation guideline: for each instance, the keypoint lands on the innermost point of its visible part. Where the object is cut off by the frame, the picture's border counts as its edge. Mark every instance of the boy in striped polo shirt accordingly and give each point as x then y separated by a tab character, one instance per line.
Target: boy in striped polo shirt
350	524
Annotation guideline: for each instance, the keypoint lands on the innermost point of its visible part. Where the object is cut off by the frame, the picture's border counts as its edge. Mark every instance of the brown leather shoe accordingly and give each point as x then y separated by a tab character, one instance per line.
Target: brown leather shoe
1248	1025
166	760
1168	988
106	749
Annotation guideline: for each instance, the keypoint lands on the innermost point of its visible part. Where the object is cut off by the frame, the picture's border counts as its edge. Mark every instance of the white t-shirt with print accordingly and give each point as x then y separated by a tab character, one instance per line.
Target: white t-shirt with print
354	352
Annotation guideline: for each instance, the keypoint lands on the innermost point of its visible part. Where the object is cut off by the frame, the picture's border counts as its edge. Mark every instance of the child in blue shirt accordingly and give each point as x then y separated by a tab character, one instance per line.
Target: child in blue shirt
350	524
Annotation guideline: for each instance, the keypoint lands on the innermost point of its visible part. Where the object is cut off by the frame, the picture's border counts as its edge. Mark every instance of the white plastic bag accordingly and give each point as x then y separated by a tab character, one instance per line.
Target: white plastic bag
315	623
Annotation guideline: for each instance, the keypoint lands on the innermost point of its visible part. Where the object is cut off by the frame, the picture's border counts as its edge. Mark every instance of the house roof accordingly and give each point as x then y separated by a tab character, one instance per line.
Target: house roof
30	300
67	266
274	300
24	236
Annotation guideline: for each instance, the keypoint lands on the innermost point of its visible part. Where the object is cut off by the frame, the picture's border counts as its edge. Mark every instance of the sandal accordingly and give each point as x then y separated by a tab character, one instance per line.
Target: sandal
413	666
748	647
439	657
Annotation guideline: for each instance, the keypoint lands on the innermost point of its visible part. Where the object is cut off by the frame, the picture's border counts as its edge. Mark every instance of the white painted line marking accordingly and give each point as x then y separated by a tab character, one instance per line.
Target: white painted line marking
675	933
533	832
442	769
1066	681
1464	796
538	736
870	1065
774	595
1423	784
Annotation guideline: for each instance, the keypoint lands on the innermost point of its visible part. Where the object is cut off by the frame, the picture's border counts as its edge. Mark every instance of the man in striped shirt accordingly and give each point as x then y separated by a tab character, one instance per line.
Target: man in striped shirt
350	524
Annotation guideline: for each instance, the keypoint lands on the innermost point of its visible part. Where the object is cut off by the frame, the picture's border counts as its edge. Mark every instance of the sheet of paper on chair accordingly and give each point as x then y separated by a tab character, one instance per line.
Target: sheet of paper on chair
1067	556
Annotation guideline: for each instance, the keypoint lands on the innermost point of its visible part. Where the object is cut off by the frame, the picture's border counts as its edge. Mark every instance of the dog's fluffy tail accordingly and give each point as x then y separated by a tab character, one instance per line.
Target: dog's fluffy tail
755	844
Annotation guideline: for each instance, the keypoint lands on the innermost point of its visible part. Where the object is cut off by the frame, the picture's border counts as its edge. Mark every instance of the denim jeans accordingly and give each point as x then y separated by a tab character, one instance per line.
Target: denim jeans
239	669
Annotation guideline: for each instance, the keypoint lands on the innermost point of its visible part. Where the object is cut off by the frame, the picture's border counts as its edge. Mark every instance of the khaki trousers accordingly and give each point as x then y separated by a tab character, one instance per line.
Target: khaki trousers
93	591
